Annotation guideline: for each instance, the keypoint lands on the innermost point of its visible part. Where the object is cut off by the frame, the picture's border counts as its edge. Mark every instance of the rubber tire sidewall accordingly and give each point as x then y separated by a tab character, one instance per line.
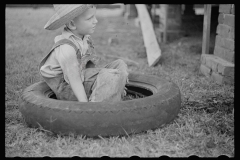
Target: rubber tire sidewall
103	118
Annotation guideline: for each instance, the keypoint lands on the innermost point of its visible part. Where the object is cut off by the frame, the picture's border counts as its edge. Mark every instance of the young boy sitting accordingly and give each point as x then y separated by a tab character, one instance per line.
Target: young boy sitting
70	68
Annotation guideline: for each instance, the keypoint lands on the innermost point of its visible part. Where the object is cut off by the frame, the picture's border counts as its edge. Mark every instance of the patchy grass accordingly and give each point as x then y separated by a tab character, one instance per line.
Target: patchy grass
204	126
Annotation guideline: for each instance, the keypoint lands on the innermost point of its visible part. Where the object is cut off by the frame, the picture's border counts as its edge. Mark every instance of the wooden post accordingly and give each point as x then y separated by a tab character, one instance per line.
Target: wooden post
206	28
149	37
153	12
165	8
170	22
162	26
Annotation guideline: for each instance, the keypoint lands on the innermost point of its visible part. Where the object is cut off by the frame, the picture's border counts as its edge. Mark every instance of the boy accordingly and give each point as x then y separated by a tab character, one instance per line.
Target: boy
70	69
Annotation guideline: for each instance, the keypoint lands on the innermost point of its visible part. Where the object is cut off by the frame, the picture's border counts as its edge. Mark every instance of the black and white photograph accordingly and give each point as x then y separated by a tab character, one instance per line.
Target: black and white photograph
119	80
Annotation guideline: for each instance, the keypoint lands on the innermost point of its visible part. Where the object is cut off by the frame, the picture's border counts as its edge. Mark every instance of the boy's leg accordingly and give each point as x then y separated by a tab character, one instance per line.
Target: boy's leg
118	64
109	86
65	92
110	82
121	66
90	76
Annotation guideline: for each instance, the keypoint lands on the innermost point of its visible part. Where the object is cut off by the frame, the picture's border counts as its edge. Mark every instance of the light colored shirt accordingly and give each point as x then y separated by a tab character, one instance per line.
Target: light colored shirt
57	63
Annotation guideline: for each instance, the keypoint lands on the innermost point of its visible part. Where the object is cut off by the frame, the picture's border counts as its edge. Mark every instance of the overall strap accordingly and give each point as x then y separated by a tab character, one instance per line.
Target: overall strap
58	43
65	41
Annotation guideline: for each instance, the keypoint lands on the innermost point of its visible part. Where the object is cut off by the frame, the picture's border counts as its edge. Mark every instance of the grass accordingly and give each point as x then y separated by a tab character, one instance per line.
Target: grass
204	126
131	97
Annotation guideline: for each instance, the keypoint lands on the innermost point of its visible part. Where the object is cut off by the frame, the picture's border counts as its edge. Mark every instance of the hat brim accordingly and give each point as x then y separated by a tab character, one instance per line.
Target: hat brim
56	22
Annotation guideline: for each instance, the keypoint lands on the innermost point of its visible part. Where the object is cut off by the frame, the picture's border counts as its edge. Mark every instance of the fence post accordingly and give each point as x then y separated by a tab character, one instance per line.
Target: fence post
206	28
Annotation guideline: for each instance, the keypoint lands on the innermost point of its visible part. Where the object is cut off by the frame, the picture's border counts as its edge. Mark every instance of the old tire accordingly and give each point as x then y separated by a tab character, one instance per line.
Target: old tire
159	107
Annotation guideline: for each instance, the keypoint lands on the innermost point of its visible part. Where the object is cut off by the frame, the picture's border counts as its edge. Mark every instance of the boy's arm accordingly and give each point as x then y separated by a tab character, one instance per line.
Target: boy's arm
76	84
68	60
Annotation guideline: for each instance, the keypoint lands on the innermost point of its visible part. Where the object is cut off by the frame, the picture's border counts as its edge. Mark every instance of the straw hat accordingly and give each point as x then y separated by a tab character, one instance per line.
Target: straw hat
64	14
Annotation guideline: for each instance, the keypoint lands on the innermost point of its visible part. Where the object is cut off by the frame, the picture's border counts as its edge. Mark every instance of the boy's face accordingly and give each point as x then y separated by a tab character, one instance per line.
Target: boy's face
86	22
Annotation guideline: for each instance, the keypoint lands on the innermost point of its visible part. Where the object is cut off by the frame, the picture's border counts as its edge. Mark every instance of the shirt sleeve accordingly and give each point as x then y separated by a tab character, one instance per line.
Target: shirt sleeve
67	58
